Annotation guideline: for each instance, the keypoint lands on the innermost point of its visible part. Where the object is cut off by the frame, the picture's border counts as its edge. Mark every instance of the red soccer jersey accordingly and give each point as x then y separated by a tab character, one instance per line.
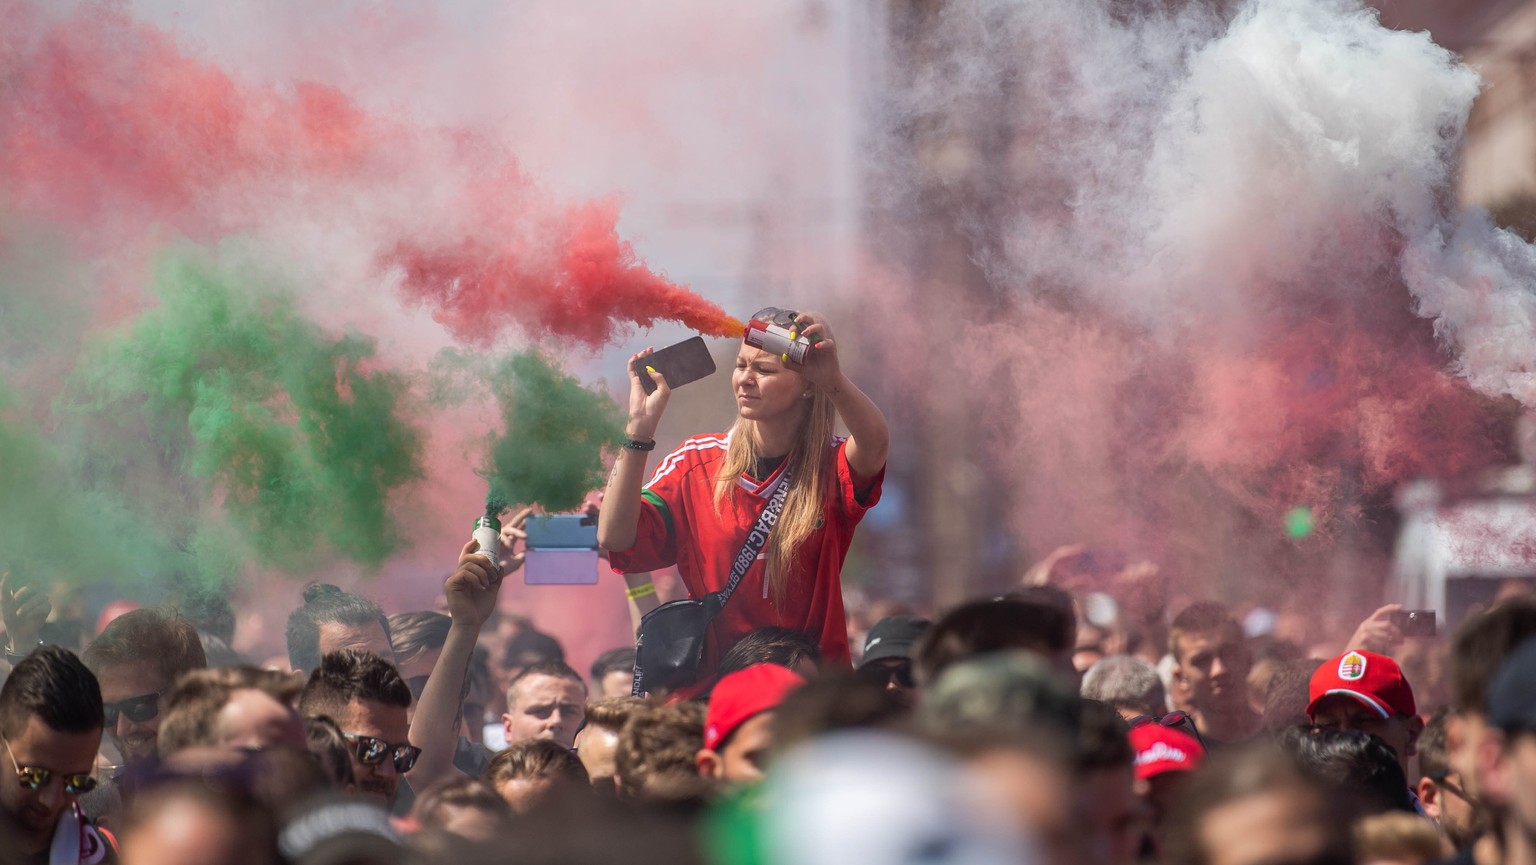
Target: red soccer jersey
679	526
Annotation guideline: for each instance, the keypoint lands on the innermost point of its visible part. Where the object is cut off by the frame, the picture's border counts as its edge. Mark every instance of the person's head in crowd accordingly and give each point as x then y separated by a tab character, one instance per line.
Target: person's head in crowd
1211	657
324	739
1506	758
1441	792
1251	805
529	771
1365	691
418	639
1478	649
211	613
1290	689
368	700
190	823
1003	692
836	701
1270	654
1029	771
50	725
888	650
597	745
218	652
1129	684
545	701
613	673
657	750
1356	767
529	647
1088	649
738	726
794	650
1109	812
333	620
466	807
233	707
137	659
1164	758
1395	838
330	831
983	627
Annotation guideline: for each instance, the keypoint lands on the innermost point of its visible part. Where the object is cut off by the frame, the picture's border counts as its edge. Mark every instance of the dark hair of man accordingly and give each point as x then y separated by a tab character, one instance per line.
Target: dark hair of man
1285	703
210	612
1483	642
325	603
192	707
155	634
1433	755
834	701
54	685
353	674
558	669
414	634
620	660
659	745
330	748
983	627
771	645
1102	738
535	759
614	712
1354	766
1237	773
1201	617
528	647
434	806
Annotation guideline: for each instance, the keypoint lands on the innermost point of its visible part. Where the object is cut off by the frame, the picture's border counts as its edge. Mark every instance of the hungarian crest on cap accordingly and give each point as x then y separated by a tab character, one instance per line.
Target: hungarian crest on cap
1352	667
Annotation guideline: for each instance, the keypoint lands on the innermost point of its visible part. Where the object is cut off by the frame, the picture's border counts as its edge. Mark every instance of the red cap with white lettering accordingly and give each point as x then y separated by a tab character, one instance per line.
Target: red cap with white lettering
1162	749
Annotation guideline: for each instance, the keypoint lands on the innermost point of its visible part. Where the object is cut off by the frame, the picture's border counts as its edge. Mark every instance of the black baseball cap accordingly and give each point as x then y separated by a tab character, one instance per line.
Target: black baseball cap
893	637
1511	700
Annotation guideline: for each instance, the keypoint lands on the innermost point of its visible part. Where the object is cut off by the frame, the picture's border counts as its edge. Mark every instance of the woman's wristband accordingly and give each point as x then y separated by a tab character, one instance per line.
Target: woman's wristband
635	593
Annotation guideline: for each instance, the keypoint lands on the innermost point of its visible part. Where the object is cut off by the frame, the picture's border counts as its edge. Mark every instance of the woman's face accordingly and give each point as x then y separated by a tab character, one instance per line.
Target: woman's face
763	387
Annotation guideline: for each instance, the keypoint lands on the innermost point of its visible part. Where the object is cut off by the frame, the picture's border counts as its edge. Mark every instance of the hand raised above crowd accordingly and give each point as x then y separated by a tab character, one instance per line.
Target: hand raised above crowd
24	611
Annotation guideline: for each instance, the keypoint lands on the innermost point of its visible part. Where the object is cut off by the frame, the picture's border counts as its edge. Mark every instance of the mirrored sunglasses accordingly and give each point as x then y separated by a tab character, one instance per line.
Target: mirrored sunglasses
371	751
775	316
36	777
138	709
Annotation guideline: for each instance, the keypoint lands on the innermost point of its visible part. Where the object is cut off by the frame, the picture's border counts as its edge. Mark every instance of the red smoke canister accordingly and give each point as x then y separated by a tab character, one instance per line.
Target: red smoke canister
776	340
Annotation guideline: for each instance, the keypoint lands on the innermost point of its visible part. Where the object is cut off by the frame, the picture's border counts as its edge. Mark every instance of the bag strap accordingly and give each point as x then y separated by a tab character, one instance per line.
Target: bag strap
753	545
757	538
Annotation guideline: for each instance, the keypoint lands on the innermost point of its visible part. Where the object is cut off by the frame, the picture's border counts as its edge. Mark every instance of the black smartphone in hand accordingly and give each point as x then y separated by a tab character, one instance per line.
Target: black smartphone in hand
681	364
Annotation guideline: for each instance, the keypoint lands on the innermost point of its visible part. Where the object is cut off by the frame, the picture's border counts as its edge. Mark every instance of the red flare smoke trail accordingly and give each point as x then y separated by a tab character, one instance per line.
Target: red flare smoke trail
113	133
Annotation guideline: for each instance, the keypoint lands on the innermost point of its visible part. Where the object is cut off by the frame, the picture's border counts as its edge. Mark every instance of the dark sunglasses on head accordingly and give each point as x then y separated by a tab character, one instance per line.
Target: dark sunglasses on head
1178	720
775	316
372	750
138	709
36	778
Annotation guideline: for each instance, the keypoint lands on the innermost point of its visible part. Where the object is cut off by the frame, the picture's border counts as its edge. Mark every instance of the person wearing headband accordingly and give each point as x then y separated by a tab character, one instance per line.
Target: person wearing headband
704	499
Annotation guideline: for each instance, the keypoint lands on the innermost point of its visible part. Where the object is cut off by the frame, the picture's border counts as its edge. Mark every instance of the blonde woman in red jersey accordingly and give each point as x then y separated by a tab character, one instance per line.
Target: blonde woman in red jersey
704	497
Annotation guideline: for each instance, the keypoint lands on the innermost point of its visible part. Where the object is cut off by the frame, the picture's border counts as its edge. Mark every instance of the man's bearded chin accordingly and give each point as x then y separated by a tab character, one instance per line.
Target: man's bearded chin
136	748
380	788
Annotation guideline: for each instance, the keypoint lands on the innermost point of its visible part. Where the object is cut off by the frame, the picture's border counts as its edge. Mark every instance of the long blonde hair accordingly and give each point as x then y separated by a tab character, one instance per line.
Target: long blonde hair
804	506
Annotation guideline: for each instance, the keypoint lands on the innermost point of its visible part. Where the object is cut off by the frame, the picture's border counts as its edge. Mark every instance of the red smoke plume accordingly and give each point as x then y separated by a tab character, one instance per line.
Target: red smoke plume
112	132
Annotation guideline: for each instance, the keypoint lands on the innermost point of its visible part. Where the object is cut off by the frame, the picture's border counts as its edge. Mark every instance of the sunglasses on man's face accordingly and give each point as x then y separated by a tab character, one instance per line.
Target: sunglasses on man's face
372	751
138	709
883	674
36	777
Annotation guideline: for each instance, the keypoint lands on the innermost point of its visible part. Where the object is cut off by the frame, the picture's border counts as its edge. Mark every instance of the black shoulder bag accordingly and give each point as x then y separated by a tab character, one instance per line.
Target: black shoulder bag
670	643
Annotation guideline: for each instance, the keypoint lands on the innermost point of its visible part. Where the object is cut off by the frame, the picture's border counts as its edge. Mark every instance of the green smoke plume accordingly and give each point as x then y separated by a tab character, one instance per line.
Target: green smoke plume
253	427
551	450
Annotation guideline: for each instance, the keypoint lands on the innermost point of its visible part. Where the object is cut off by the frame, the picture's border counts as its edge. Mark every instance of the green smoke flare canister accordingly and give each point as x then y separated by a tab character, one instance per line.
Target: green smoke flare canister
488	533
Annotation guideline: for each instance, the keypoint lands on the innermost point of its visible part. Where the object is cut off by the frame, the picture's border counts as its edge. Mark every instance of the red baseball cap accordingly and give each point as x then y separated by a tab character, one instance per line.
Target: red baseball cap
1162	749
1375	680
742	694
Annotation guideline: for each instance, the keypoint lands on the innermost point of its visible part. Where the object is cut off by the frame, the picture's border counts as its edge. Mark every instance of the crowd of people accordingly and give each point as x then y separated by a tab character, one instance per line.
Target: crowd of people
1031	727
986	735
